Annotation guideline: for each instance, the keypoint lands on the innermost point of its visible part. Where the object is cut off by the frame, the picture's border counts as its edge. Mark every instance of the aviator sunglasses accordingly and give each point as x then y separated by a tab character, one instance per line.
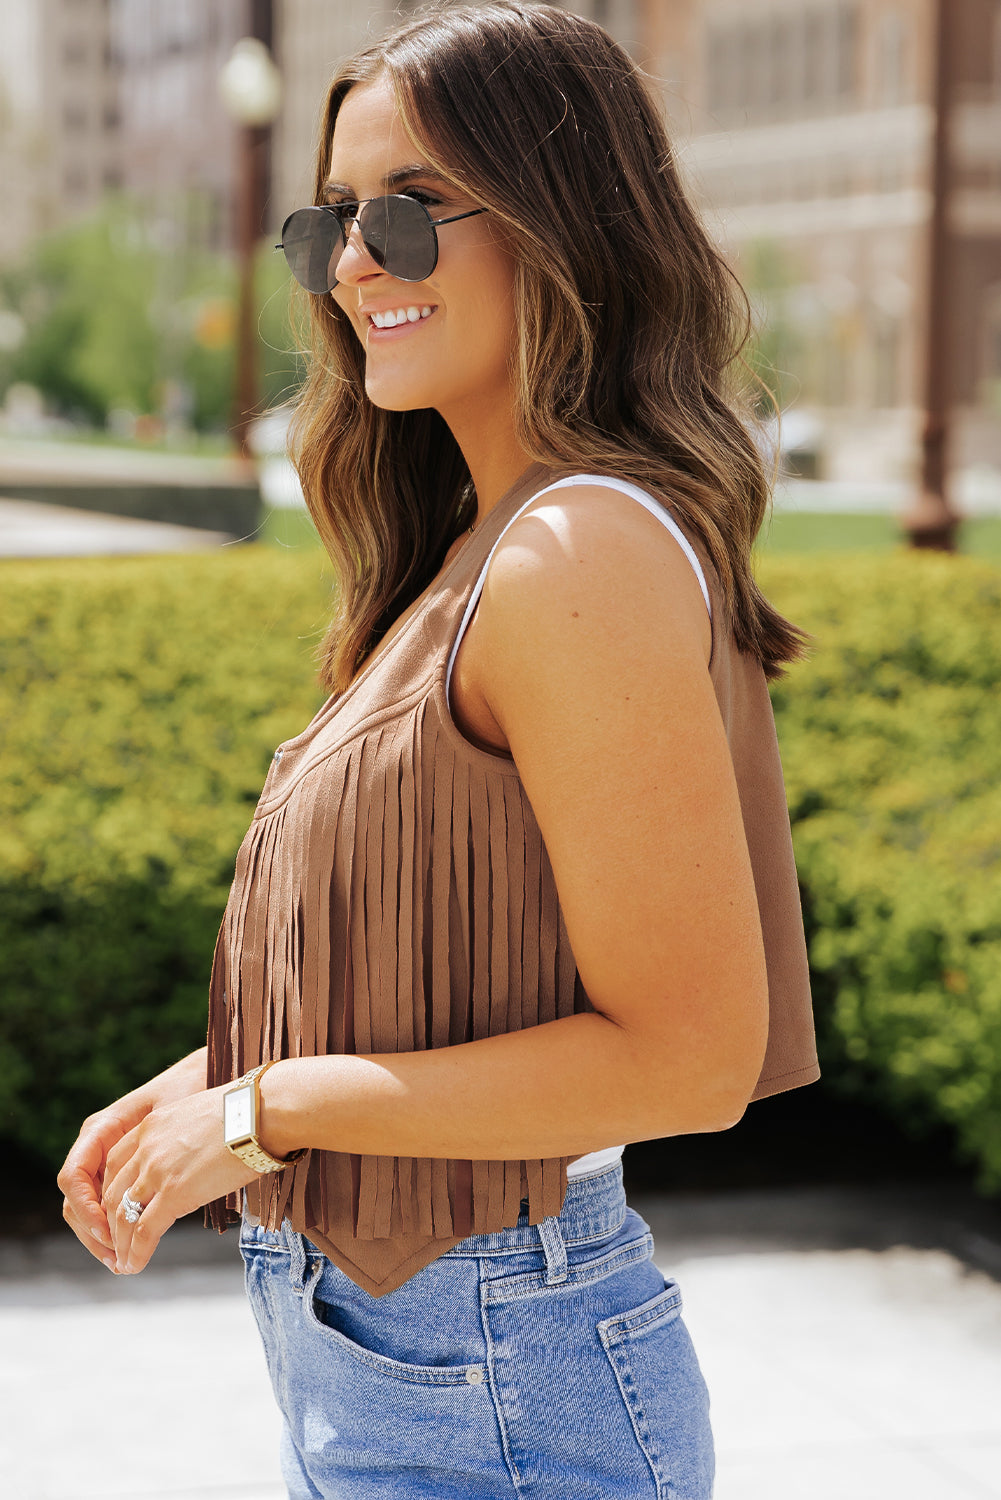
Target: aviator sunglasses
398	233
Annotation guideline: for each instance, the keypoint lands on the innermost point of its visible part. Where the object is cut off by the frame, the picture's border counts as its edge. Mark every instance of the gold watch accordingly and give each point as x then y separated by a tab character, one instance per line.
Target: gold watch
241	1115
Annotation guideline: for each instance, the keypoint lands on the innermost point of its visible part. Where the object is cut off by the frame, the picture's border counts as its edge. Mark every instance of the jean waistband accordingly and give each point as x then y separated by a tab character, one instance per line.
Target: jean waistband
594	1207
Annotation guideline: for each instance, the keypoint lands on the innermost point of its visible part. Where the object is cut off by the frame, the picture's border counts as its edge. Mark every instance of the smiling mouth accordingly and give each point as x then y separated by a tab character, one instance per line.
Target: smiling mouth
395	318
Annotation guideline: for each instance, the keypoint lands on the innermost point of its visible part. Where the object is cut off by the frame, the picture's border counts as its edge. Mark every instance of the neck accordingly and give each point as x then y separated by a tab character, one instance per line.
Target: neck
494	456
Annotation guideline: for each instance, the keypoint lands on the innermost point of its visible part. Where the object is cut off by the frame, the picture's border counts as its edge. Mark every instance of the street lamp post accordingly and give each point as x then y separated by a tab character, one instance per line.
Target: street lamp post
250	86
930	521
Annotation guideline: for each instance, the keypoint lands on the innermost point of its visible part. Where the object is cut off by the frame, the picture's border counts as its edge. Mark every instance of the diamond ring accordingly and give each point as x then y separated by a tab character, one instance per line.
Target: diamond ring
130	1208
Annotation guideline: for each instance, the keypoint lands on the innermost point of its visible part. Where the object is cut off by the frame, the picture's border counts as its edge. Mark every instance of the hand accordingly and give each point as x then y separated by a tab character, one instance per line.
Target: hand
83	1173
172	1161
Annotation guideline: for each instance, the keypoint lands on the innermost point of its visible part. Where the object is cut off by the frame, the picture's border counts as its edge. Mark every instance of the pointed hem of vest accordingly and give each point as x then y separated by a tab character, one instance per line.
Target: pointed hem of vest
415	1260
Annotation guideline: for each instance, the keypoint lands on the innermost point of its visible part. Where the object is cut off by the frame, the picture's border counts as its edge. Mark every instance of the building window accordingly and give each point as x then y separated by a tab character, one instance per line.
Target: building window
890	61
815	56
784	60
765	66
719	91
847	49
885	361
837	367
890	177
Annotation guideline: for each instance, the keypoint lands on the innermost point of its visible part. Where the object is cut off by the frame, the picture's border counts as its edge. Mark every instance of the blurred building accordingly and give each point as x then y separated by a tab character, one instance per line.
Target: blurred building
60	146
178	144
805	128
315	35
100	95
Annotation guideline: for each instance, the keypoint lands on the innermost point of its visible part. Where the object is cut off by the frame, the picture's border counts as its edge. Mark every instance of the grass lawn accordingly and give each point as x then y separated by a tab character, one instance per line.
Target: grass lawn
790	531
787	531
287	528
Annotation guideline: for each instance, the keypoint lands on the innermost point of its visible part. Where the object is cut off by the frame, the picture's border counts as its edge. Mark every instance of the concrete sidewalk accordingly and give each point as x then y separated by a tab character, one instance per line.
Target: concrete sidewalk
29	528
851	1340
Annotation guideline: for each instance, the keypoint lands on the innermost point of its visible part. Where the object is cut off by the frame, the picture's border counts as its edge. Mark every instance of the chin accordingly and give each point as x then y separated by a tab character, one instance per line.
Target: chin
390	400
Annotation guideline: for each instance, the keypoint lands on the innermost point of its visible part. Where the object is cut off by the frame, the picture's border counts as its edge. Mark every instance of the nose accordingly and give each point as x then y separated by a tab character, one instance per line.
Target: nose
355	261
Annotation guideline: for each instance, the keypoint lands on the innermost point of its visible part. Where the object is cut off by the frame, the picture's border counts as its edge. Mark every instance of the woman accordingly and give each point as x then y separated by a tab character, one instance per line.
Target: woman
523	890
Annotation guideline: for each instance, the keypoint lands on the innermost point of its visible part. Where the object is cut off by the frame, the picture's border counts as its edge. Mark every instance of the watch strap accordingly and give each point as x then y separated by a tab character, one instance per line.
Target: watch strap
251	1151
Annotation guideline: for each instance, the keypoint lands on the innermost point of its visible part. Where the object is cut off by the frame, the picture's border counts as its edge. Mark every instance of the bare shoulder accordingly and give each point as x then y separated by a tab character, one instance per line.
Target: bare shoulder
592	560
588	599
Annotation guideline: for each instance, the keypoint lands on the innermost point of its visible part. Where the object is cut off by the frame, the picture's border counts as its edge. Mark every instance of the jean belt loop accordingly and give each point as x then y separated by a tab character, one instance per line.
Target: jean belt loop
297	1259
556	1251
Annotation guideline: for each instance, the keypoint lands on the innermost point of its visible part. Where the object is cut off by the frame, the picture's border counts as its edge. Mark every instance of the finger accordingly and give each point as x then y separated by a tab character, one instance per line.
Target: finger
120	1153
145	1234
81	1179
84	1158
100	1249
115	1208
126	1200
82	1200
137	1238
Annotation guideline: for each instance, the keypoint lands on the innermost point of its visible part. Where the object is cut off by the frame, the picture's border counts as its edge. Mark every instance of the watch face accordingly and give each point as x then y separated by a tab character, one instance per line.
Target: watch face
238	1114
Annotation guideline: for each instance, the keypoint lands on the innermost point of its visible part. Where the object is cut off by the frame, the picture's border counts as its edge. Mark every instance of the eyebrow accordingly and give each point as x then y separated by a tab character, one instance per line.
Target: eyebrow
395	179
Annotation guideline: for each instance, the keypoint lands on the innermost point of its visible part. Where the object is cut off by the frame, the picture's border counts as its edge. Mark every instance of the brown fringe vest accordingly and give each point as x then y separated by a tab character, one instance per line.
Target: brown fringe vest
393	893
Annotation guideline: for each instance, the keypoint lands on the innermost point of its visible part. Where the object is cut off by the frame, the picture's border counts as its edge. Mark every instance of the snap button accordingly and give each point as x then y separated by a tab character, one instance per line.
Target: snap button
278	755
475	1377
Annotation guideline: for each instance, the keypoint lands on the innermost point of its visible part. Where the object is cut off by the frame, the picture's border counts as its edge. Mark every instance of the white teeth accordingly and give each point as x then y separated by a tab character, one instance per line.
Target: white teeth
401	315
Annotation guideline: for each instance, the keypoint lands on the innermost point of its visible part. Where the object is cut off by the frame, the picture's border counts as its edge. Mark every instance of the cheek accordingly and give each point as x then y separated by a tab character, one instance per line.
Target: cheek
492	320
340	299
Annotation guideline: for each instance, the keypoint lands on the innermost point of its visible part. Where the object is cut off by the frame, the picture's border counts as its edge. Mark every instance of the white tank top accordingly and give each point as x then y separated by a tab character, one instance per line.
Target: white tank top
594	1161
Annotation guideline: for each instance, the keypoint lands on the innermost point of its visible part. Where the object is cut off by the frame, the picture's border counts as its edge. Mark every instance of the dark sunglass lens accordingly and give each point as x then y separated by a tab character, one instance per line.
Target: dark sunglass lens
399	236
312	241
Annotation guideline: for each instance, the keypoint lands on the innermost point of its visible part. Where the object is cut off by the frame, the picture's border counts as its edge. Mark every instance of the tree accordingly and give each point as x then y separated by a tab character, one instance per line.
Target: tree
124	311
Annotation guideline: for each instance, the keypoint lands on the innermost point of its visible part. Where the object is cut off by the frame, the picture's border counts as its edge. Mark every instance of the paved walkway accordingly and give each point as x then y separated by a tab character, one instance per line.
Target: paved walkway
31	529
851	1349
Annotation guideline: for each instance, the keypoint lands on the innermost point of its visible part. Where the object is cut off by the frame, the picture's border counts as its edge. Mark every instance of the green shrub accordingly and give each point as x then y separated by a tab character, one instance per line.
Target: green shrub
140	701
891	741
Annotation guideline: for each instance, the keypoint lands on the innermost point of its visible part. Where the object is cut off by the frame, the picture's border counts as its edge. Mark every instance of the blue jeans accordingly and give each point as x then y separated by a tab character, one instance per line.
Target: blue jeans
548	1361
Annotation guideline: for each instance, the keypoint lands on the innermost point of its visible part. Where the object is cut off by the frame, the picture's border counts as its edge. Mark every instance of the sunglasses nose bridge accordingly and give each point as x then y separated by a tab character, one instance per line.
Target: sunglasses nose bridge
351	250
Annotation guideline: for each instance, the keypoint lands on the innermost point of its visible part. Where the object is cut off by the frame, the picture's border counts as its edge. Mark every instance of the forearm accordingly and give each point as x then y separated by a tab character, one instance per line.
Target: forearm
179	1081
561	1089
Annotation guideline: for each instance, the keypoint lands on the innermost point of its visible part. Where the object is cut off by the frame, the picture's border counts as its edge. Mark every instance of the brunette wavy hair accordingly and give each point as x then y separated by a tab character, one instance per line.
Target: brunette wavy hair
629	323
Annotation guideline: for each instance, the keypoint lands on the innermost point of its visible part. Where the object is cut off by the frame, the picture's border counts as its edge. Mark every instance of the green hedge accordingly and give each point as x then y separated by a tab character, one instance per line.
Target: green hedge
891	739
140	701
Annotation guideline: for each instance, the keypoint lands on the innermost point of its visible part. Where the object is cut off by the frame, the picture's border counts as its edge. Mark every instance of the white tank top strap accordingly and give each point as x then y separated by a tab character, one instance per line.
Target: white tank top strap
627	488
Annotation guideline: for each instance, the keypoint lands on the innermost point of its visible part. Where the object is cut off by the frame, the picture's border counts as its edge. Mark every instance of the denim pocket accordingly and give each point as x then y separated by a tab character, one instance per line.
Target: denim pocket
664	1393
325	1318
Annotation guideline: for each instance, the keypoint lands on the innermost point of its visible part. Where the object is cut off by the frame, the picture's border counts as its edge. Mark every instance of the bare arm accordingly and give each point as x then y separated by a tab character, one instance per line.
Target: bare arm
608	708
